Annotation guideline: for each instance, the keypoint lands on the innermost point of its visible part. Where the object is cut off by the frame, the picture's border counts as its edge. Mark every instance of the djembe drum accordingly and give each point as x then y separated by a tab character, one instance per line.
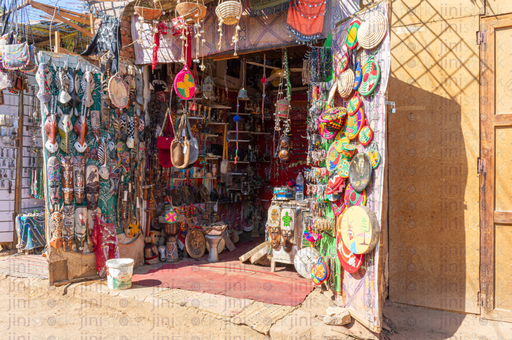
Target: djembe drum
171	230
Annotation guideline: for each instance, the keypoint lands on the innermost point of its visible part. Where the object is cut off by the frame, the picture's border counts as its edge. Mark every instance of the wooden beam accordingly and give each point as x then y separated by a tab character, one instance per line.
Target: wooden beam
502	217
57	42
261	65
61	10
503	119
91	23
75	16
36	5
25	4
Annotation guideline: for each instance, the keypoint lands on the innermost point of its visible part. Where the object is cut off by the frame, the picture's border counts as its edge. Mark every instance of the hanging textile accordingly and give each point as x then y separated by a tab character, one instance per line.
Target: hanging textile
306	19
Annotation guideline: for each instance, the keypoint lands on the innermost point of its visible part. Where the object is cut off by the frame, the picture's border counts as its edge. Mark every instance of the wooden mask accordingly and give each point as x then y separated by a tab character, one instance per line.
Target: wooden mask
50	127
105	113
275	236
56	227
92	188
81	130
54	179
80	228
68	232
79	178
114	179
67	179
95	123
65	128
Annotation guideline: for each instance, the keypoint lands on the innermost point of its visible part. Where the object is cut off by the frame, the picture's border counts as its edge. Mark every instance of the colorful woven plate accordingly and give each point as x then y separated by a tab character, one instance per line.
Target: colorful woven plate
333	119
320	271
353	197
352	34
340	63
357	76
326	134
345	83
341	139
366	134
348	151
359	230
374	155
338	207
372	31
184	84
354	104
353	124
371	76
343	168
349	261
333	158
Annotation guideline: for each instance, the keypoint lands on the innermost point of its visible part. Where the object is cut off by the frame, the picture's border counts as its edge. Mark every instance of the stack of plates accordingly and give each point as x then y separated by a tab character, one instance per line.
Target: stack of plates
372	31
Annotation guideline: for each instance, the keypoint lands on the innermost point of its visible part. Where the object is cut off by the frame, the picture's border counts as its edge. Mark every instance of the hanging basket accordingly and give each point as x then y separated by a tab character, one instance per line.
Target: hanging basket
191	12
229	12
148	13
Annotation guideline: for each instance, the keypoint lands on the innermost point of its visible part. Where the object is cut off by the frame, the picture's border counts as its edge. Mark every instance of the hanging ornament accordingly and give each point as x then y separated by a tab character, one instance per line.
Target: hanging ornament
229	13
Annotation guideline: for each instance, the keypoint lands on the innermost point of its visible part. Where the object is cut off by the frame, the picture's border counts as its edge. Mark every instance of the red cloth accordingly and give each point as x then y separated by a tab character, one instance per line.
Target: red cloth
162	29
104	237
306	19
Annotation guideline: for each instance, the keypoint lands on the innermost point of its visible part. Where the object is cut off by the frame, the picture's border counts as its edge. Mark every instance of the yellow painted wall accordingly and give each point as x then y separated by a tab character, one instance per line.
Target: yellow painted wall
433	143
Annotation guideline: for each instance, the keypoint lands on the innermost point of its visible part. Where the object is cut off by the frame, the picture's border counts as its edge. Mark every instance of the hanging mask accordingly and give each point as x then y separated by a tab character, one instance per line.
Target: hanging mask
64	96
118	92
92	188
88	87
65	127
67	179
81	130
80	228
102	157
75	100
79	178
95	123
287	228
122	127
68	233
130	129
54	179
275	236
56	227
50	127
112	152
43	79
105	113
114	180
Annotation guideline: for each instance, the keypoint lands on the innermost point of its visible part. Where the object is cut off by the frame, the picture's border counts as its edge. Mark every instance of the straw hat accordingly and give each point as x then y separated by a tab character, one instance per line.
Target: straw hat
372	31
346	83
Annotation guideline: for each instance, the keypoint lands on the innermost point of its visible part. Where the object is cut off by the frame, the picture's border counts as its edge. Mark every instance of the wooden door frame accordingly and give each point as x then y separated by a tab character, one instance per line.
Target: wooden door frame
486	166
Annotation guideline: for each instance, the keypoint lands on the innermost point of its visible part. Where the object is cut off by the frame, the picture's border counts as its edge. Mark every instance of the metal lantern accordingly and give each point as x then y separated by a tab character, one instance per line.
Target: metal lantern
208	88
242	94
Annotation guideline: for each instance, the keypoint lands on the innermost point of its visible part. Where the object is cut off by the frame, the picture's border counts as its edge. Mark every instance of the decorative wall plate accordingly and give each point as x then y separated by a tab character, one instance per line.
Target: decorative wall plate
195	243
360	171
348	260
357	76
184	84
341	139
338	207
351	39
333	119
326	134
372	31
353	197
354	104
340	63
348	150
319	271
343	168
366	134
274	214
333	158
374	155
353	124
304	261
359	229
371	76
345	83
118	92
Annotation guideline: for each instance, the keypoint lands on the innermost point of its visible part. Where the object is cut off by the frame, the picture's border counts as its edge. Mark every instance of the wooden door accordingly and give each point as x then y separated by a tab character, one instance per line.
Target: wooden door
495	167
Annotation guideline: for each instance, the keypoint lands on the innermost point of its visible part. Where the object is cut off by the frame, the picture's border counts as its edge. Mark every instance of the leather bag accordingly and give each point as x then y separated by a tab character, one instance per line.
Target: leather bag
180	146
194	146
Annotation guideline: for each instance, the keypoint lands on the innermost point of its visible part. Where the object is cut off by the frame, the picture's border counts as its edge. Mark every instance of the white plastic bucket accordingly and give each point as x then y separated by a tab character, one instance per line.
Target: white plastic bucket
119	273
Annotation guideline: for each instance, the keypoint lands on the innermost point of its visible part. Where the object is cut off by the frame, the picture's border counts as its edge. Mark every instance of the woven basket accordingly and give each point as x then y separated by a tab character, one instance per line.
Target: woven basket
372	31
192	12
346	83
148	13
229	12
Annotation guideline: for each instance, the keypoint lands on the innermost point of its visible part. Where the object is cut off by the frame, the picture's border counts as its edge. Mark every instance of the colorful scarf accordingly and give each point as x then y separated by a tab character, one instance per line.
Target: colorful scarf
161	29
306	19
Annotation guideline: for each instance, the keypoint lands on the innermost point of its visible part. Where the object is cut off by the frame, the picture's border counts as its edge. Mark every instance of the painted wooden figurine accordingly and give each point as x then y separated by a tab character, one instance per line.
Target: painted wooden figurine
79	178
80	228
92	189
68	232
67	179
54	179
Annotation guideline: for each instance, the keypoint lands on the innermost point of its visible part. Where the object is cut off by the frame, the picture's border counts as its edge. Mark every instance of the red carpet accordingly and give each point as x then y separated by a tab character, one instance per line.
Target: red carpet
232	278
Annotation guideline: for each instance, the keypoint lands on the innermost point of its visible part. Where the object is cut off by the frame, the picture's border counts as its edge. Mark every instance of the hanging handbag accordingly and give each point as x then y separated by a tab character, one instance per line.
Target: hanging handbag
16	56
194	146
180	149
31	64
163	143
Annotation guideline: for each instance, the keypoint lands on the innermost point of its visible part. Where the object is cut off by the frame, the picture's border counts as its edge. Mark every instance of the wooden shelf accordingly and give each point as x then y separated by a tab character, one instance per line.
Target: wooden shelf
240	114
187	178
215	123
241	162
251	132
195	117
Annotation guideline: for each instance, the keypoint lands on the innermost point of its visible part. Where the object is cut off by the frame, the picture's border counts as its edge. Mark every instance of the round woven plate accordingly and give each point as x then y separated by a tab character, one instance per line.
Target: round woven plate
374	155
195	243
354	104
340	63
357	76
333	119
345	83
326	134
359	230
333	158
184	84
343	168
365	135
353	124
353	197
349	261
372	31
118	92
320	271
351	39
371	76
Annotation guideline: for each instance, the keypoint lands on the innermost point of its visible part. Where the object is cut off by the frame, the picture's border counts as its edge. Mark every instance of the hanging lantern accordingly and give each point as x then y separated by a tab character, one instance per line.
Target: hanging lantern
283	108
208	88
242	94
